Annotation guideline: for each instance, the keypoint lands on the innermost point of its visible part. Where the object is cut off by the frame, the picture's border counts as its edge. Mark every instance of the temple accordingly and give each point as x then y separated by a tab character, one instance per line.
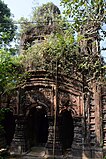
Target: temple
59	115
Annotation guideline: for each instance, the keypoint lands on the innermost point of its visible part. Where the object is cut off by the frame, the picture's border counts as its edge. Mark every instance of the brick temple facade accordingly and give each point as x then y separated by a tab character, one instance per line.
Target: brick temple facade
42	93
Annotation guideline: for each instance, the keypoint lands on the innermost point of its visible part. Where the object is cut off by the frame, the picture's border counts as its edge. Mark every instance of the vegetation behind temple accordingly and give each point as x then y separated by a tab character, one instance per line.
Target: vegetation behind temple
7	27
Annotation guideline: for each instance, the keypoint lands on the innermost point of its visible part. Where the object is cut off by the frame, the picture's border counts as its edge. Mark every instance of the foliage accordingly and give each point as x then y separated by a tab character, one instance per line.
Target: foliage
10	71
85	11
7	27
88	17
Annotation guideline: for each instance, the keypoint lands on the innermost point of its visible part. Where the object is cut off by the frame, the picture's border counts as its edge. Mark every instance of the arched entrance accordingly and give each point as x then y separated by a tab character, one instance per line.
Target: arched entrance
66	129
37	126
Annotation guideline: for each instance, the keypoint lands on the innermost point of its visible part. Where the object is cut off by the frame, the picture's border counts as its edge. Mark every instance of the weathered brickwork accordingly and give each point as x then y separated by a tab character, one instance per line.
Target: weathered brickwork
103	118
87	110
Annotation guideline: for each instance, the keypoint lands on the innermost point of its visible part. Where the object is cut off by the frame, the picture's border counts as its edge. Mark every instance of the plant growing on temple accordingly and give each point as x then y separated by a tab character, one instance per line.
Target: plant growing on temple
57	51
57	36
61	51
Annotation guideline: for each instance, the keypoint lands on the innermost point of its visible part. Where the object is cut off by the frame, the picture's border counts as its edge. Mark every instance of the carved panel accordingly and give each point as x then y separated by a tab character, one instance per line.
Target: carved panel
72	101
40	95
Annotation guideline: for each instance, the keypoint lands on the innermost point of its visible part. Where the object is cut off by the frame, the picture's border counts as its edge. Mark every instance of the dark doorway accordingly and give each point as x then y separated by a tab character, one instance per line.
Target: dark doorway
66	129
37	126
8	124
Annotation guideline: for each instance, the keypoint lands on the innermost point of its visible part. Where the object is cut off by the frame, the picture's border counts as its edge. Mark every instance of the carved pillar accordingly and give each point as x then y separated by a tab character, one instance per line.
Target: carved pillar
57	146
97	97
103	102
19	144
